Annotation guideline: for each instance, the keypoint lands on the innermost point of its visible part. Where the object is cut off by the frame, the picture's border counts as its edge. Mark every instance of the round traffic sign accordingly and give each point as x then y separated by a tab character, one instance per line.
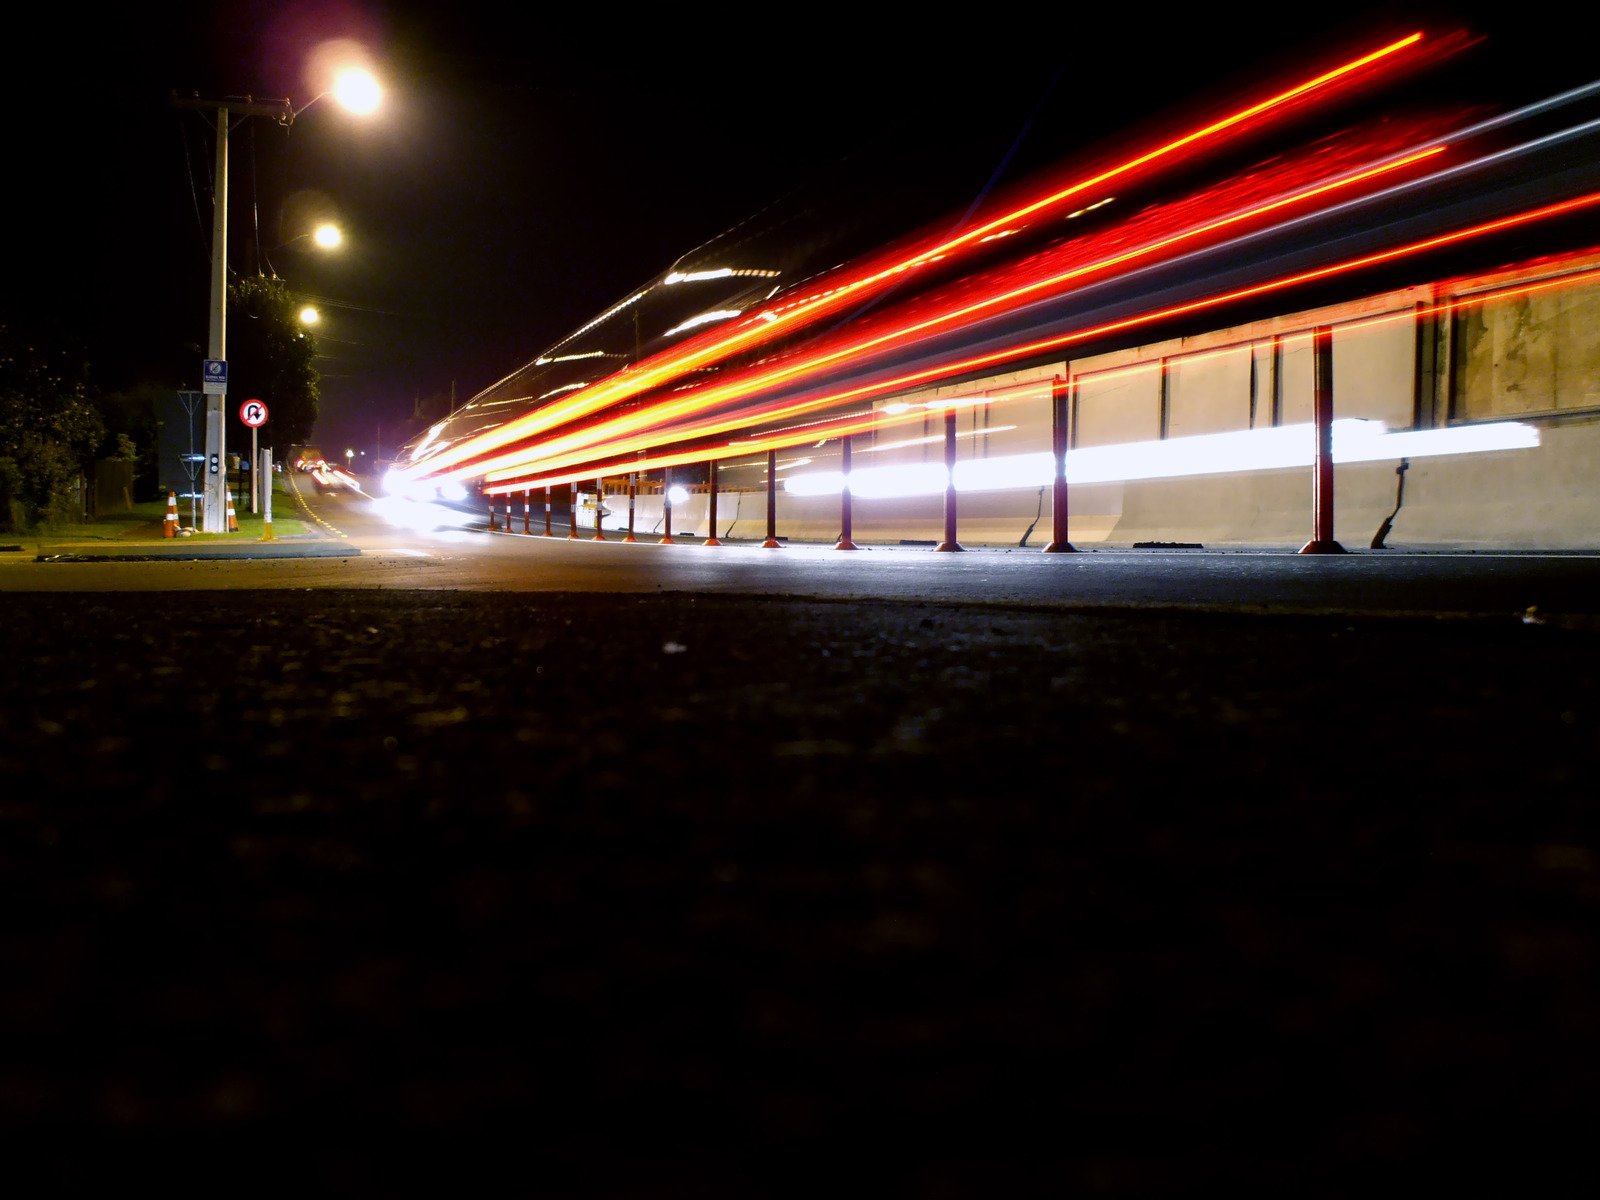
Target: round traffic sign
253	413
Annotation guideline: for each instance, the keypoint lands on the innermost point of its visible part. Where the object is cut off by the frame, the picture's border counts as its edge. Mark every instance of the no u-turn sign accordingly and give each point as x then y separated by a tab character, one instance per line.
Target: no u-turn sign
253	413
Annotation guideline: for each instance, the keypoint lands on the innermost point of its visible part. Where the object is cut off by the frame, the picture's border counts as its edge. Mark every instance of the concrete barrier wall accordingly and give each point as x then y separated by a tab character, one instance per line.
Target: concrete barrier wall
1517	346
1547	498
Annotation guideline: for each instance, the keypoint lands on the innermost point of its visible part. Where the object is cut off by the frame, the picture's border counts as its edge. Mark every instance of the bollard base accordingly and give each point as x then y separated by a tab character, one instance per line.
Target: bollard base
1322	546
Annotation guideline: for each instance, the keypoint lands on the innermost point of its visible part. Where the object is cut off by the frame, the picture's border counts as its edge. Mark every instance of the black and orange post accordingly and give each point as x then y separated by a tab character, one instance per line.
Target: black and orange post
711	504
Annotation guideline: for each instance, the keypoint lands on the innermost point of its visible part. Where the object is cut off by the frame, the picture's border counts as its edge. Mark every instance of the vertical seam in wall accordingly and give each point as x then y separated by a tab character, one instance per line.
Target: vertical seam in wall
1072	408
1277	380
1165	421
1421	344
1449	328
1255	387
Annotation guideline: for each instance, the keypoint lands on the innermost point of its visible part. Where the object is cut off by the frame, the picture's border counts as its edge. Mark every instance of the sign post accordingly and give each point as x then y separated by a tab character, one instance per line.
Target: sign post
192	403
264	474
254	414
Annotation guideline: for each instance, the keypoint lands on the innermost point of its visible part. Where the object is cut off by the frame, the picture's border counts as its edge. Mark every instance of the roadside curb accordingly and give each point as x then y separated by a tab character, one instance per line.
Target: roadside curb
277	548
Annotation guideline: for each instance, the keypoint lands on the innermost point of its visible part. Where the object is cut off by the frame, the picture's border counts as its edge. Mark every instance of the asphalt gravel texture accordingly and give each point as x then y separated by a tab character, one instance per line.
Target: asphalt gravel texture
670	896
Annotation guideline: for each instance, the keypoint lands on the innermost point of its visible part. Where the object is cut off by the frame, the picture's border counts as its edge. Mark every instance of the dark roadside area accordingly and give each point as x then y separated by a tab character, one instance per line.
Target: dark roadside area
672	897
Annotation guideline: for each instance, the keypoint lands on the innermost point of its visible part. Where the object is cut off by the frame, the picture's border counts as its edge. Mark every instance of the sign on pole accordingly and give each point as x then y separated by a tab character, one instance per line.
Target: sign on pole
214	378
254	414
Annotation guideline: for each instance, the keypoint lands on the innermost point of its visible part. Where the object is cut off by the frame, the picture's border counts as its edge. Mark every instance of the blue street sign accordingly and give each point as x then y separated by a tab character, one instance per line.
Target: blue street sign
214	381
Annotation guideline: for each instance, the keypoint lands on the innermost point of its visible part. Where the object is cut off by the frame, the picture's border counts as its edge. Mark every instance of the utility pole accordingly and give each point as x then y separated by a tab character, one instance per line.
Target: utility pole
214	381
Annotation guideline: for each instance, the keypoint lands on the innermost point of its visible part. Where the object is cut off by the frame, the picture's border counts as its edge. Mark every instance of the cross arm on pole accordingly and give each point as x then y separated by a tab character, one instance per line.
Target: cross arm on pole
245	106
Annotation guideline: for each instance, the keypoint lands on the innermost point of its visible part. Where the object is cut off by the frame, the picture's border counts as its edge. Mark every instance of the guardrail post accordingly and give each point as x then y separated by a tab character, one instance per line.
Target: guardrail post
950	542
666	507
633	489
1322	540
547	491
572	510
1060	401
772	542
599	509
711	506
527	510
844	542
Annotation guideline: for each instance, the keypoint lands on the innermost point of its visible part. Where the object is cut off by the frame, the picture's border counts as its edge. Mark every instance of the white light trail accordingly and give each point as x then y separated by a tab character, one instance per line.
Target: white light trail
1354	440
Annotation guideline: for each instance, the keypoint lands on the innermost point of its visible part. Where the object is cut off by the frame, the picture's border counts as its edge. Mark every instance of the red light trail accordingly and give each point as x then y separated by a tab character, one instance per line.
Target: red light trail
792	409
654	421
871	278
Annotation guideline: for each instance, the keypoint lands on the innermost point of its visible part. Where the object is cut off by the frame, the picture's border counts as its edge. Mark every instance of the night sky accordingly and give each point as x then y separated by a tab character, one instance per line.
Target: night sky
529	170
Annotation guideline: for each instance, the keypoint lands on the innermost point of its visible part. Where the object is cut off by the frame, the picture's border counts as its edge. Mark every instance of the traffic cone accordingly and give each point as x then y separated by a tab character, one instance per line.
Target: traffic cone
169	527
233	520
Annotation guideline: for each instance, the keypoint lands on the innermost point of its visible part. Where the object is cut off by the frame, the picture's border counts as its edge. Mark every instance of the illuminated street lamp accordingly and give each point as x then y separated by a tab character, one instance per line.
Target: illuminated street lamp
326	236
354	87
359	92
309	315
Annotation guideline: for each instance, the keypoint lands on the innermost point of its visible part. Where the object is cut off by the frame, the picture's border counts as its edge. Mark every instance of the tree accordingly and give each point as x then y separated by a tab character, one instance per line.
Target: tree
270	359
50	429
132	433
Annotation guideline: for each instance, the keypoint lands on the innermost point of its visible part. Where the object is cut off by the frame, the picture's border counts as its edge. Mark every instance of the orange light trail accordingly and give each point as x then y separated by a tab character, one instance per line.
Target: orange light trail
834	428
710	396
881	419
675	363
779	410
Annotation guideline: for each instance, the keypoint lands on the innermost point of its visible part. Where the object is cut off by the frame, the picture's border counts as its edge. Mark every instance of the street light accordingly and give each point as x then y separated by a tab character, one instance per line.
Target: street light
365	94
326	236
355	89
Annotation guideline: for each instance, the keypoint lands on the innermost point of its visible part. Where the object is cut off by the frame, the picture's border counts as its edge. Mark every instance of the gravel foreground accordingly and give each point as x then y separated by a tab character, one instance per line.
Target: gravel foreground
674	897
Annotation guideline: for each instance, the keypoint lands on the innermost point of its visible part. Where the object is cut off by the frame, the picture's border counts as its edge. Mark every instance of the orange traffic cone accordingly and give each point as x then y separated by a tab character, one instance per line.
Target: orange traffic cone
169	527
233	520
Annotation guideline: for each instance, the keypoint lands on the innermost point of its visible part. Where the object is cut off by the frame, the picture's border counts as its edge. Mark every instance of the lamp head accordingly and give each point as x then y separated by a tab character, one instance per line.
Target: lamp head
338	68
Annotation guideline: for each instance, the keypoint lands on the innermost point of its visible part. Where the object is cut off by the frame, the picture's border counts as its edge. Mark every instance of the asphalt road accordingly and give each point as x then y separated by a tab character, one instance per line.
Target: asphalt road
683	893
